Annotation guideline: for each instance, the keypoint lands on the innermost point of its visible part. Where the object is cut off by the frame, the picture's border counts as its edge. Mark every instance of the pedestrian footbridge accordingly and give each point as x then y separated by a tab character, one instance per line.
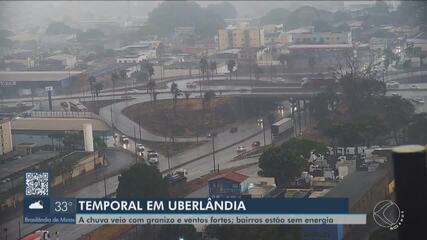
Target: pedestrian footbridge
62	121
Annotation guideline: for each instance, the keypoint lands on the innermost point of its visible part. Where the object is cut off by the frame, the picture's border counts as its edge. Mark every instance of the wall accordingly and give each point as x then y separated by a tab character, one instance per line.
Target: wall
6	144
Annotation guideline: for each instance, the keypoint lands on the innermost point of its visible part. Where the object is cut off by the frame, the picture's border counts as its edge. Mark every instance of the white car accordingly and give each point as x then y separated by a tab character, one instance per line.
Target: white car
413	86
241	149
191	85
152	157
140	150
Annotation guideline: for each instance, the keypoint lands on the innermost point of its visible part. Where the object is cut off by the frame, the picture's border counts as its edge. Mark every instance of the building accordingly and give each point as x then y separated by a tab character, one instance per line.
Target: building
364	190
258	187
240	37
228	185
35	82
6	144
184	31
67	60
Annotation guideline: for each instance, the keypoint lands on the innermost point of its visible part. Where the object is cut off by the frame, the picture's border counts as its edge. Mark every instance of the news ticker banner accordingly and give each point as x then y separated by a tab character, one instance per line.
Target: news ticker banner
311	211
40	208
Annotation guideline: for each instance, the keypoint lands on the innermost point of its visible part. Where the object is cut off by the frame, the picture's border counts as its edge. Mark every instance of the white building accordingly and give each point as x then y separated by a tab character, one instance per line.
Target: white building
69	61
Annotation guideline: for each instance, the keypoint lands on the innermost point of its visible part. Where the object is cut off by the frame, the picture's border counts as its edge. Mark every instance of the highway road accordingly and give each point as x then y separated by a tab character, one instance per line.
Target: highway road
198	161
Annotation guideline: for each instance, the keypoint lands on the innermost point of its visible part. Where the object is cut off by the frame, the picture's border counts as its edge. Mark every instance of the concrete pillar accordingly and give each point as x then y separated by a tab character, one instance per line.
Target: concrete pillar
88	137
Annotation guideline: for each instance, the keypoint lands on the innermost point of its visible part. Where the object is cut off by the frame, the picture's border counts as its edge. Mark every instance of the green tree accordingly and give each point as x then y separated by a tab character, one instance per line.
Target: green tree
287	161
417	129
224	10
72	140
396	113
163	20
276	16
141	180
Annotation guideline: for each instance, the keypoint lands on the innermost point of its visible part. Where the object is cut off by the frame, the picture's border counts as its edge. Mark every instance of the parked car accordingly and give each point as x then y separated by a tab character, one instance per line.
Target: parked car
233	130
241	149
256	144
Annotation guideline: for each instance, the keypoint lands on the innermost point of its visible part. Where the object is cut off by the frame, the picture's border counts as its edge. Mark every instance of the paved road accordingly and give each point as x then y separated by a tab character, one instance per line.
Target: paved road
117	160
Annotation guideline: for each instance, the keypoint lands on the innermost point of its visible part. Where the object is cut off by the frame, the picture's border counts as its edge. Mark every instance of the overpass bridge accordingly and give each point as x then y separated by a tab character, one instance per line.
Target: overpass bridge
63	121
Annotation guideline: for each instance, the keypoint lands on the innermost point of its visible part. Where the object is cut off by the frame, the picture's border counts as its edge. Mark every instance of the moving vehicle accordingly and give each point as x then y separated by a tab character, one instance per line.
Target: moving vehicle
140	150
241	148
256	144
124	139
153	157
77	107
317	82
392	85
212	134
281	126
233	130
177	176
413	86
191	85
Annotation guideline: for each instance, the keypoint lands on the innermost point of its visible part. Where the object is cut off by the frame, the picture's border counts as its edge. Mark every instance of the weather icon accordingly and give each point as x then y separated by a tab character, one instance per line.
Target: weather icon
36	205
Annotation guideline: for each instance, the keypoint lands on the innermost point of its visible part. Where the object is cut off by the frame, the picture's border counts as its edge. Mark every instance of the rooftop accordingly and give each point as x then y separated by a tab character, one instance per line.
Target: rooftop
37	76
306	46
356	185
232	176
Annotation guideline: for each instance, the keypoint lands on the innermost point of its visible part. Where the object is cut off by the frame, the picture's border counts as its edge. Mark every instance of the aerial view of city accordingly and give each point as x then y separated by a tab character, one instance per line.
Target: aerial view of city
249	120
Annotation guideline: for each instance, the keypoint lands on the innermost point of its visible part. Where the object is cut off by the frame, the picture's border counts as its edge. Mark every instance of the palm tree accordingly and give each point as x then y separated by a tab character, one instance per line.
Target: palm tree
151	87
92	81
213	68
257	72
176	93
98	88
204	67
311	62
230	66
283	60
187	96
209	96
114	79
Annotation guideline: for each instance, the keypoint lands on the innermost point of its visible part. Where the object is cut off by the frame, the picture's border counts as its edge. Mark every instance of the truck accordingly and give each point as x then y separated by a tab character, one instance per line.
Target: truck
281	126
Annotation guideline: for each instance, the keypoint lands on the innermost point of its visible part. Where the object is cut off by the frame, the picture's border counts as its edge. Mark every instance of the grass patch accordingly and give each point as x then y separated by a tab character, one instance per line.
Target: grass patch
193	118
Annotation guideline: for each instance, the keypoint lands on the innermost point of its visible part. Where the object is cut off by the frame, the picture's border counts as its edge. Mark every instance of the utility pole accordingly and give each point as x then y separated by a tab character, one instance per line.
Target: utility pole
134	144
105	187
263	129
213	151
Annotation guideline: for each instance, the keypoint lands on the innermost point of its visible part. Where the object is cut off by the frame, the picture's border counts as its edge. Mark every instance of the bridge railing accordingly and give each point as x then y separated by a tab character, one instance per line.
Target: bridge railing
42	114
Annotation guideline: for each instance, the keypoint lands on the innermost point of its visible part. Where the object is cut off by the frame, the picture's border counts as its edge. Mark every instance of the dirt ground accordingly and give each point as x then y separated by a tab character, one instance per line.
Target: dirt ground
94	106
192	117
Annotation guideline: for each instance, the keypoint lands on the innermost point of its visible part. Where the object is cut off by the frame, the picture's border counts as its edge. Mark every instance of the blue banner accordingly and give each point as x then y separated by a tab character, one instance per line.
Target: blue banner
203	205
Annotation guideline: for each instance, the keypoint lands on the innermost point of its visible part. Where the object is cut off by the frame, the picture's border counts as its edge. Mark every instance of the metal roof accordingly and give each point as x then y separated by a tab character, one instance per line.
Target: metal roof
37	76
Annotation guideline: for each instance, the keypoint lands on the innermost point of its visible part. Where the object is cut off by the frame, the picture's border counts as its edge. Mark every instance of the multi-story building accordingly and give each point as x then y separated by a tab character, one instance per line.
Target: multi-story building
6	144
240	37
